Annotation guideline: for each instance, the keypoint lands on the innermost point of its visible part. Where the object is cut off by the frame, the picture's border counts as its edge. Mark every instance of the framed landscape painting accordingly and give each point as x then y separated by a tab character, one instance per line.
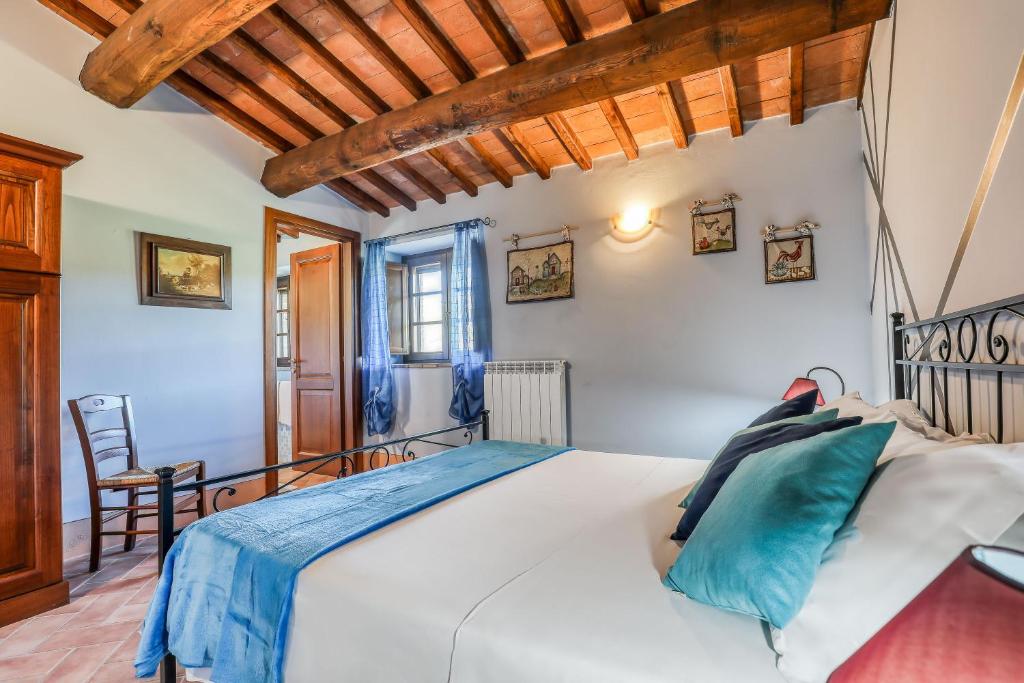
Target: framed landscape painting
183	273
714	232
540	273
789	260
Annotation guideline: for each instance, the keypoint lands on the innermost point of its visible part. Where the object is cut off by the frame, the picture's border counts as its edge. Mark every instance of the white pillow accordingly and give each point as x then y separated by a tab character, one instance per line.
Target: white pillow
909	437
909	416
921	511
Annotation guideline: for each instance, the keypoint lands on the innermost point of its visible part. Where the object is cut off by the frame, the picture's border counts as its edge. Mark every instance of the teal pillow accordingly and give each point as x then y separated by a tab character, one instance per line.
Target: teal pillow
757	548
813	418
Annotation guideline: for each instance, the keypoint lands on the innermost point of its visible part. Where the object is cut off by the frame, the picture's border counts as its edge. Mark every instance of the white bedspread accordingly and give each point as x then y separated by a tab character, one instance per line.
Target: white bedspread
548	574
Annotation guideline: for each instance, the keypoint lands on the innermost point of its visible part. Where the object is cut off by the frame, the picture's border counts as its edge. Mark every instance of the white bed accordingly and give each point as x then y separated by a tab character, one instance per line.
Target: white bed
552	573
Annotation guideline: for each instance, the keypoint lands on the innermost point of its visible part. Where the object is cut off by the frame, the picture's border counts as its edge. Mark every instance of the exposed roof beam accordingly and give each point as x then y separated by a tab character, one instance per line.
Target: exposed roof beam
420	180
673	109
514	136
496	30
464	181
391	62
427	29
732	100
378	49
564	21
571	143
621	129
156	41
326	60
689	39
637	10
796	84
494	166
217	104
865	59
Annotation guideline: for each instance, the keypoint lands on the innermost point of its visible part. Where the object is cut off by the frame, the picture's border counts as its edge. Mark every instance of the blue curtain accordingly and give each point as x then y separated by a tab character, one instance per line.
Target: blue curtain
378	381
470	325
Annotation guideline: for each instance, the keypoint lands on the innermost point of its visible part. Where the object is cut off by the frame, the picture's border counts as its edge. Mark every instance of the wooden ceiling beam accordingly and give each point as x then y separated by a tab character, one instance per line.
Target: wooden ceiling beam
621	129
525	151
156	41
571	33
325	59
394	65
727	75
865	59
674	113
464	181
636	9
496	30
216	104
492	164
567	136
420	180
378	49
427	29
796	84
689	39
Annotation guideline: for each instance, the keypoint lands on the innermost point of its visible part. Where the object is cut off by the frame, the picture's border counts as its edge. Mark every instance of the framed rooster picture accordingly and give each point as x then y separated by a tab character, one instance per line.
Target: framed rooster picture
789	259
714	232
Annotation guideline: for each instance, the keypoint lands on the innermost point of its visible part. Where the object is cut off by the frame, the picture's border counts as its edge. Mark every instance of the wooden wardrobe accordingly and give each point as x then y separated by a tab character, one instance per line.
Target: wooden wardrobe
31	572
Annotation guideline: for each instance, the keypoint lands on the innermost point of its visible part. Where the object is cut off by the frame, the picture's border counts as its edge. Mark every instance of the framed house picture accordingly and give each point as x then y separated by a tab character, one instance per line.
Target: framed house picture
789	259
183	273
714	232
540	273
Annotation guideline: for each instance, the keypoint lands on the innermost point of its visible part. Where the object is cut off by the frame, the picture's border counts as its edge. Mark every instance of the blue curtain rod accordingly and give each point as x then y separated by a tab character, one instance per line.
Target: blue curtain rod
426	232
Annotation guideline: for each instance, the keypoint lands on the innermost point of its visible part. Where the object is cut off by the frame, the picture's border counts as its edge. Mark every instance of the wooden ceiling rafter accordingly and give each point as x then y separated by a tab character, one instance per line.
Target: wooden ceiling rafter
357	27
453	169
495	167
156	41
674	113
571	34
730	94
216	104
514	136
864	61
796	84
671	45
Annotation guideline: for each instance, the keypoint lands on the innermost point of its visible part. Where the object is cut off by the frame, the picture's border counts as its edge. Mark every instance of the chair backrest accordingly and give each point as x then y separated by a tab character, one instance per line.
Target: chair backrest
103	433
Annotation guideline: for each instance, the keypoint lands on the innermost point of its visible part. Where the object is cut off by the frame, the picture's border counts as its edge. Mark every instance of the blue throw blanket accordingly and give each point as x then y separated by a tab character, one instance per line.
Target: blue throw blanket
225	595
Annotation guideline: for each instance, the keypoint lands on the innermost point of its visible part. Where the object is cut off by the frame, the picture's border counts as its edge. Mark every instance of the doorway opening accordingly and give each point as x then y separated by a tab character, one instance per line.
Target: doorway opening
311	389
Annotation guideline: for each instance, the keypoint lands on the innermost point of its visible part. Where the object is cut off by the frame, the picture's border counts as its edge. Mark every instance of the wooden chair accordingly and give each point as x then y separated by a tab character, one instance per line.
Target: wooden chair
101	441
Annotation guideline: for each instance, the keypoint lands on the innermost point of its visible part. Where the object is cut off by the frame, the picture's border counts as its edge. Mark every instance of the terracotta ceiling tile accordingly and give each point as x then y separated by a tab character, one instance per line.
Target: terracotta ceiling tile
652	136
604	149
605	20
297	8
766	90
441	81
365	7
836	51
595	136
832	93
766	108
404	184
553	153
588	121
436	6
707	86
456	20
366	186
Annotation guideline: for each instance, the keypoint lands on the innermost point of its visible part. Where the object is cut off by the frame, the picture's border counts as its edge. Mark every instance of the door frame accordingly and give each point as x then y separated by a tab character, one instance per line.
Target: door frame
277	222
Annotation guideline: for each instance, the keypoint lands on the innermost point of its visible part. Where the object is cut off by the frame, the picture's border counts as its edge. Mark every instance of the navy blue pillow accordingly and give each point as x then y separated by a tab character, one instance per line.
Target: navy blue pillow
733	454
794	407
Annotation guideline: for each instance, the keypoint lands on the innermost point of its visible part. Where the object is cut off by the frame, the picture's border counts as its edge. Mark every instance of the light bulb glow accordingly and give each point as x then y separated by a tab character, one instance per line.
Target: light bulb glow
634	219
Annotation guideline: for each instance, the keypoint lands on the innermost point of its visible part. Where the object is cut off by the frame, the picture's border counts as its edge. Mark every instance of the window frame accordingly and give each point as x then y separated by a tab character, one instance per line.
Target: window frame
444	258
283	284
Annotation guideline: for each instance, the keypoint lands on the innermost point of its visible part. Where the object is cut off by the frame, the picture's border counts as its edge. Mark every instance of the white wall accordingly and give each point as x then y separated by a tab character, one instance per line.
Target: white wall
168	167
953	66
671	352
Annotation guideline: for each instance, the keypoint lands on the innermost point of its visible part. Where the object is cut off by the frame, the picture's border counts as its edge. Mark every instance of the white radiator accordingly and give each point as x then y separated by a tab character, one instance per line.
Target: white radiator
528	400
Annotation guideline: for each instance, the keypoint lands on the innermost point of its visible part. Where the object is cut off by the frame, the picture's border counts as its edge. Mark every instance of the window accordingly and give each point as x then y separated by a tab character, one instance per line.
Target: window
424	305
282	343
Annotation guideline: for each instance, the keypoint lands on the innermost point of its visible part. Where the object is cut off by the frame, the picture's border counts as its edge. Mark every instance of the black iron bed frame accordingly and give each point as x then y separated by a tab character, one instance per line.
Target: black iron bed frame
932	348
166	489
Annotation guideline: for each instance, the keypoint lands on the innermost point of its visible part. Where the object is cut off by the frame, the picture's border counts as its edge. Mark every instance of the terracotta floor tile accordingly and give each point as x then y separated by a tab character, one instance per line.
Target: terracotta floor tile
135	612
81	664
90	635
119	586
145	594
77	604
126	650
31	634
100	610
30	665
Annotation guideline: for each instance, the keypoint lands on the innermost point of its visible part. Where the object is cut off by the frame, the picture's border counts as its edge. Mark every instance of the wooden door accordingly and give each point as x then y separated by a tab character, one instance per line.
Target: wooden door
317	347
31	574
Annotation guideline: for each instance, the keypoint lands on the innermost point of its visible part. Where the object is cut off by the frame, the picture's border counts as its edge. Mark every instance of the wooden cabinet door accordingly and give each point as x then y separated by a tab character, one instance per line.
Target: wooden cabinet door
30	520
316	336
29	216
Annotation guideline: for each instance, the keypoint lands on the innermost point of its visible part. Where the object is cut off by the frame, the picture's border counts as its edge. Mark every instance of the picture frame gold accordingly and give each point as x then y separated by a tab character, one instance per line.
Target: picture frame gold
183	273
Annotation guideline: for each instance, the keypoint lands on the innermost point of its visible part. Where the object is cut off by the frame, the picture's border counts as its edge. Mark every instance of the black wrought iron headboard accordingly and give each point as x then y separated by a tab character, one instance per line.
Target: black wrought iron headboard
977	346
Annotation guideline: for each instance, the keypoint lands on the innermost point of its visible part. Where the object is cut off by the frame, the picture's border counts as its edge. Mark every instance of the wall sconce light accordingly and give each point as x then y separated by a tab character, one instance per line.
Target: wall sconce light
633	223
